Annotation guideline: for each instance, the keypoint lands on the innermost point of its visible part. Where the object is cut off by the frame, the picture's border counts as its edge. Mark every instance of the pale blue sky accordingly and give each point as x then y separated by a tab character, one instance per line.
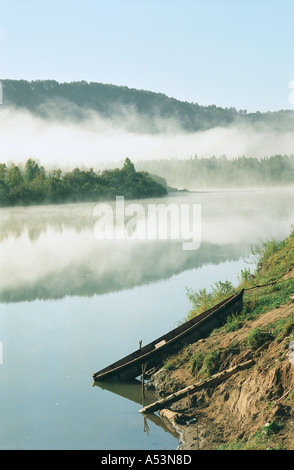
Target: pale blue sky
226	52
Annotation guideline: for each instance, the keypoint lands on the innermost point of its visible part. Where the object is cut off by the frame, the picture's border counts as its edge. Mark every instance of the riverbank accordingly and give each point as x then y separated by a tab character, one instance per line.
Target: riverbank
251	408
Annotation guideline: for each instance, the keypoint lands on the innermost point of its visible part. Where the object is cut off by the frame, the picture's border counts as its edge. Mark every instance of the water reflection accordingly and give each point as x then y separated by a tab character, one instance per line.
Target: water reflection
49	252
98	271
132	390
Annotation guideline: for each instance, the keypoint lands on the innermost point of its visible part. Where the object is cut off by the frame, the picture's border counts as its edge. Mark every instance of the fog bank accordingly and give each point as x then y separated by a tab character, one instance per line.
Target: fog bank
100	142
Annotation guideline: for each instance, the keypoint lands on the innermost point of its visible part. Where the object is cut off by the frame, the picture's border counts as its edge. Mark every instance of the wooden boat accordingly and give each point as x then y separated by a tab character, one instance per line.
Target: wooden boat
154	353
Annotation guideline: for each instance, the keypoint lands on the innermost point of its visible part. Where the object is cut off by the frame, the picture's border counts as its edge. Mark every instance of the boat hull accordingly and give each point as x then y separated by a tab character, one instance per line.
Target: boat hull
154	353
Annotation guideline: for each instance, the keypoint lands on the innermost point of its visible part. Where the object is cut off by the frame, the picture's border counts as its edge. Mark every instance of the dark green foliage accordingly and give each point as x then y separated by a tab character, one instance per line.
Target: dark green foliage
49	98
196	362
233	323
258	337
33	186
205	364
282	328
74	100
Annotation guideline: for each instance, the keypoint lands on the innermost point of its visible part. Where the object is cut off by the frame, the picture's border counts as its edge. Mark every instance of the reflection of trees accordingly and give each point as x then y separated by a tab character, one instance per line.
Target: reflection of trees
146	262
221	207
230	222
37	220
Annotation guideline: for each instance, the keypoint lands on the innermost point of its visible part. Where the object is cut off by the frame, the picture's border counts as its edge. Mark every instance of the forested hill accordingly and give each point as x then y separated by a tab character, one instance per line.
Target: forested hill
76	100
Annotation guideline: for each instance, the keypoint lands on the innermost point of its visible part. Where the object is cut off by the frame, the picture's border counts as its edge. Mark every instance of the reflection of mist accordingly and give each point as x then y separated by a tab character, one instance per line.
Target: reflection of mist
35	220
51	251
56	265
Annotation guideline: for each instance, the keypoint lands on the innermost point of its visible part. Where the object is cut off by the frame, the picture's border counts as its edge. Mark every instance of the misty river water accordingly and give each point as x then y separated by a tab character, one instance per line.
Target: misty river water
70	304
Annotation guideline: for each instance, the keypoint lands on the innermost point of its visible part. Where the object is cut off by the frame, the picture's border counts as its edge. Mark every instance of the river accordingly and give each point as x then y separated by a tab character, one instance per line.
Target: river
72	303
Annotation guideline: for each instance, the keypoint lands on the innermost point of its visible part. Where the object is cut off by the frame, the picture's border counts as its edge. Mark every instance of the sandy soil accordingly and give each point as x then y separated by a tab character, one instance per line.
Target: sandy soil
242	404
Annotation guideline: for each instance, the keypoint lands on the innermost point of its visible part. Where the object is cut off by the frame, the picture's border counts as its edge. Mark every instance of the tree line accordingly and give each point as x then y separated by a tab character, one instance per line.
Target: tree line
32	184
198	173
74	100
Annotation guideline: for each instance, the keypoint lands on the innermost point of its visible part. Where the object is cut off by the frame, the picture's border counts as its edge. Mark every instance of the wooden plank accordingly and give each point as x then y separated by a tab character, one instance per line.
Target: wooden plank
161	343
213	381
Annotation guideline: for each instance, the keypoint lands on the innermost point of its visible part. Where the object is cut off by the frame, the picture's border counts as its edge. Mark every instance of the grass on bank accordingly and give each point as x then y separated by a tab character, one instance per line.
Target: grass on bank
263	439
273	260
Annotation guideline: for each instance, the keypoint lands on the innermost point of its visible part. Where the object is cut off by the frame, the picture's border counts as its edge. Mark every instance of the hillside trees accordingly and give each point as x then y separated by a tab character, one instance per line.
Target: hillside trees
51	99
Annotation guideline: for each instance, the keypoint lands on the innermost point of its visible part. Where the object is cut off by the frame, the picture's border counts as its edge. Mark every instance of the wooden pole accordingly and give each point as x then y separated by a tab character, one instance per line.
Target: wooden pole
144	367
285	395
213	381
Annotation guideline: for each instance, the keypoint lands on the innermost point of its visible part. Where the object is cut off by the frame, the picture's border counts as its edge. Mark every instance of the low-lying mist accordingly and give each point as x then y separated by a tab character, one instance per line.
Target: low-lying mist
51	251
104	142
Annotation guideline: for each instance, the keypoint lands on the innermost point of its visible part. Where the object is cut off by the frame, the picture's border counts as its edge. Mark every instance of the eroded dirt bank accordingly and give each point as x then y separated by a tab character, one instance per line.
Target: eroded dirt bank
246	410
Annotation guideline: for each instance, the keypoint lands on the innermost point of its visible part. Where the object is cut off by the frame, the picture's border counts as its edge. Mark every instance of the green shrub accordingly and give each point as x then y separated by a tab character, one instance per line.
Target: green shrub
271	428
283	328
196	362
233	323
211	363
258	337
203	300
170	363
265	250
